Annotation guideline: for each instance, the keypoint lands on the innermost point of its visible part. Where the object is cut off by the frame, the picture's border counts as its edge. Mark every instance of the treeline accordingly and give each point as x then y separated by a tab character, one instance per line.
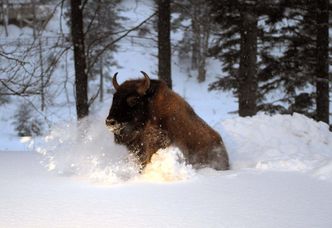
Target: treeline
275	48
275	54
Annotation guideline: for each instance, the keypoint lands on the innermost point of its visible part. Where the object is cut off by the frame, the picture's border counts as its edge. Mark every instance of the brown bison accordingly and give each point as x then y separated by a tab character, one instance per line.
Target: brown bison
146	115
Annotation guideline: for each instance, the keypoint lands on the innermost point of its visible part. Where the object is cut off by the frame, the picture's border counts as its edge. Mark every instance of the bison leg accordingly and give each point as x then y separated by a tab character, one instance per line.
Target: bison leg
153	140
215	158
218	158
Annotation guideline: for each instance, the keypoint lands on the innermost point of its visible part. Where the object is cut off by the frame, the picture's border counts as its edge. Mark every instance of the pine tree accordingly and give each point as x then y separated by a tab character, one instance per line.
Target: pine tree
287	59
322	61
25	123
239	45
303	65
164	42
297	62
247	77
3	98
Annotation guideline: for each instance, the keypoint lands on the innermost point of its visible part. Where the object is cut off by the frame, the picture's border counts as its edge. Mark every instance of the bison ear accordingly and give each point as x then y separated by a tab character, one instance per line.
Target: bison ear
114	81
145	85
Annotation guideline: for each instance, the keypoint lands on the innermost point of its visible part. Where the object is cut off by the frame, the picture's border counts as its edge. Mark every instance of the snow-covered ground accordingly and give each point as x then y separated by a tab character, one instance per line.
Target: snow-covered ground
281	172
31	197
281	177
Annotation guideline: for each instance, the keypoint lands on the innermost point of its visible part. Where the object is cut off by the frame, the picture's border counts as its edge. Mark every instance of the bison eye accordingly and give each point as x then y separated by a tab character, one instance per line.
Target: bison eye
132	100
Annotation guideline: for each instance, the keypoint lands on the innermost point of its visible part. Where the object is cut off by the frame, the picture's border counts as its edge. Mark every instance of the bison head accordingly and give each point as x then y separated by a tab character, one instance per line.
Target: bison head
129	108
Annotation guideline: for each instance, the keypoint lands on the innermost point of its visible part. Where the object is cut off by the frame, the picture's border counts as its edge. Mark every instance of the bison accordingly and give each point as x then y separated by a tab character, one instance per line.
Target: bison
146	116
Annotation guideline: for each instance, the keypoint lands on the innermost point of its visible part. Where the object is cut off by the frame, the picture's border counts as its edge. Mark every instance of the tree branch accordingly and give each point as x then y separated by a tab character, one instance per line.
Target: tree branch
118	39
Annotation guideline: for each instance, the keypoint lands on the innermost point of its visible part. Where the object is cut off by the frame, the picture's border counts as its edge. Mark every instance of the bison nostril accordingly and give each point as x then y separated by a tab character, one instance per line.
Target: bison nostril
110	122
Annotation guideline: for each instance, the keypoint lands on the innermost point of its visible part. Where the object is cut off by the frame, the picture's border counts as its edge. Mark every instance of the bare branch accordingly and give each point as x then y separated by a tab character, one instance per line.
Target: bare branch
93	98
106	47
12	58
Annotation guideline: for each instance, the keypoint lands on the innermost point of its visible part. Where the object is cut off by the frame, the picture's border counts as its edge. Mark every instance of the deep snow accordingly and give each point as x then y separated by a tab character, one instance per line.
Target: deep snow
279	142
31	197
280	177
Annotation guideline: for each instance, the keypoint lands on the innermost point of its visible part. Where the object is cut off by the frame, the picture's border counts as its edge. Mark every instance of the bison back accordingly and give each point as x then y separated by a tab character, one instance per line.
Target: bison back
201	145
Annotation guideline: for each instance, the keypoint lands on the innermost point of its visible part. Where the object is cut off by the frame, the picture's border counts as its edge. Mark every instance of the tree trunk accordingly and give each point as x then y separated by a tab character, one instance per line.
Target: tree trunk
101	85
196	36
34	20
164	42
204	41
42	83
247	79
5	15
322	71
81	77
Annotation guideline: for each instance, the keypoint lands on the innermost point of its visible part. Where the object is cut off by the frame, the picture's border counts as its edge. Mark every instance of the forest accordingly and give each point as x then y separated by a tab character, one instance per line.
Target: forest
274	55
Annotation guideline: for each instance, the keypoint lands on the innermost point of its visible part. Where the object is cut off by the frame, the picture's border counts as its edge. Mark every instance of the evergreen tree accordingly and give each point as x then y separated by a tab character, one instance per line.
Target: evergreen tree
247	77
164	41
302	67
297	62
25	123
322	61
240	45
3	98
287	56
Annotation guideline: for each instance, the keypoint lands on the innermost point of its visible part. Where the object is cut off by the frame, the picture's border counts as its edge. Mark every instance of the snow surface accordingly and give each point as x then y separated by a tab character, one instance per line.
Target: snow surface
31	197
281	176
280	142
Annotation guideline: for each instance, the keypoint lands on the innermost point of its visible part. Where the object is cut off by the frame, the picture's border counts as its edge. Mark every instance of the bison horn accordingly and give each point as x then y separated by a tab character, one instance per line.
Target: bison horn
146	85
114	81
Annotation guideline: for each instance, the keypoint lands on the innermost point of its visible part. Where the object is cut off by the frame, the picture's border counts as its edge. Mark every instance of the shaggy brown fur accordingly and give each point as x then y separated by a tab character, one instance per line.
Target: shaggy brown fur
146	116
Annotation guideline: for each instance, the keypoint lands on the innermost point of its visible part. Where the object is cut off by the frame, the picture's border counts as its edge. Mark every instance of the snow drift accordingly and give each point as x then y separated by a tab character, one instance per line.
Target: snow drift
279	143
271	184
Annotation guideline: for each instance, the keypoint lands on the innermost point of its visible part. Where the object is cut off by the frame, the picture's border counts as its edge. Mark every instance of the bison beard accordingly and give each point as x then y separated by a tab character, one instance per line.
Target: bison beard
146	116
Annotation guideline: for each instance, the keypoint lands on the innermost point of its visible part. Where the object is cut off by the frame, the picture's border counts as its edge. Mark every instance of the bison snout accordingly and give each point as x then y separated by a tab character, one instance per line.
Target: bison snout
114	126
110	122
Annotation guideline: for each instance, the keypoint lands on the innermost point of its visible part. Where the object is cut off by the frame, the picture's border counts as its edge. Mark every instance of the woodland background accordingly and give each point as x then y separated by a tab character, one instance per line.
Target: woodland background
274	55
